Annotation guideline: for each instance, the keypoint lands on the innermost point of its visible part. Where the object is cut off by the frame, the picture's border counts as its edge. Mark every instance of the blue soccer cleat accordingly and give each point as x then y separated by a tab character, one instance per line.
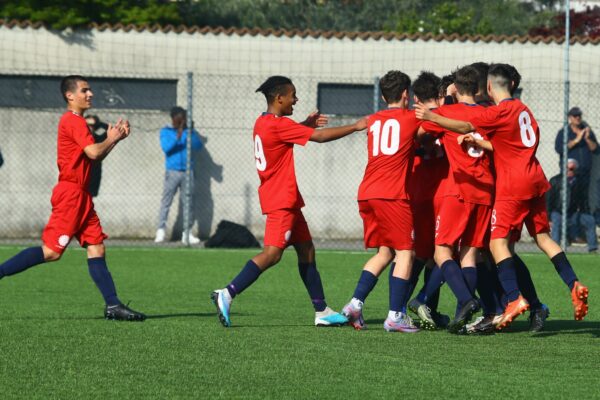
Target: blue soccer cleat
222	300
328	317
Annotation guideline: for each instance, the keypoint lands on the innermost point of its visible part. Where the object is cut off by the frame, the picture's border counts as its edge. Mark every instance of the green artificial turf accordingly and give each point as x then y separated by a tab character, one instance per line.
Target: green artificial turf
55	344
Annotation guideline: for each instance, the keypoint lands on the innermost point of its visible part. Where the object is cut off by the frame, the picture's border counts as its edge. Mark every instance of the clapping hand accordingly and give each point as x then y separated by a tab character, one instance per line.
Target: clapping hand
316	120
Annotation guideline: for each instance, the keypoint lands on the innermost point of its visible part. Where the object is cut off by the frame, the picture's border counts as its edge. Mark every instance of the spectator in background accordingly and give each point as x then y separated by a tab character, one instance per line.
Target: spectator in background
173	140
578	210
581	143
98	130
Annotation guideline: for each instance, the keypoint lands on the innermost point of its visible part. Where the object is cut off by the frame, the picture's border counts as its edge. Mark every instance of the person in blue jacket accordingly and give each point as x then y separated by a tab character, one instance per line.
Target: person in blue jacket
173	140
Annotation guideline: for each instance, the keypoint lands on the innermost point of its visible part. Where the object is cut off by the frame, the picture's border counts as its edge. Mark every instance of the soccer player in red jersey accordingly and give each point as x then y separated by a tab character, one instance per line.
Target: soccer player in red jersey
274	138
384	205
458	222
73	213
520	189
426	189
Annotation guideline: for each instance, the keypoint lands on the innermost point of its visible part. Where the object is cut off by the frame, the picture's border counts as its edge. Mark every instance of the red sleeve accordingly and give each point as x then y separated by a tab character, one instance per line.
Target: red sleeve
292	132
81	133
432	128
488	120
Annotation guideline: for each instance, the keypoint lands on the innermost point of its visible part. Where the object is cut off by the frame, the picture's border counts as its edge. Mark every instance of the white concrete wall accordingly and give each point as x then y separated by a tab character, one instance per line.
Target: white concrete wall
227	70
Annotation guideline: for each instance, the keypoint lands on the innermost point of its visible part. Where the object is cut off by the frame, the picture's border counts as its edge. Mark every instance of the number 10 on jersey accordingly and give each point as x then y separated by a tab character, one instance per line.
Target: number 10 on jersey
387	138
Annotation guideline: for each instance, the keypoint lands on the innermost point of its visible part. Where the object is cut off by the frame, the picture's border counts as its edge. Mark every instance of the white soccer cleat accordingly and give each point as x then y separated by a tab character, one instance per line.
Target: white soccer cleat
193	239
160	236
222	300
354	314
328	317
400	322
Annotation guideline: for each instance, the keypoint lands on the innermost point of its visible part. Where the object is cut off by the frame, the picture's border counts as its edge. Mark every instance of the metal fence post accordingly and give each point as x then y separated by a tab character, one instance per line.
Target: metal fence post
565	157
376	94
187	200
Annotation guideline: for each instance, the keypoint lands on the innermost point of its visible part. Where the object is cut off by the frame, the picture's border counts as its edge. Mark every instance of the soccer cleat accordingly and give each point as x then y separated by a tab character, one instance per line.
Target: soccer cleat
121	312
512	311
483	325
222	300
400	323
160	236
538	317
328	317
579	296
463	316
354	316
441	320
424	314
192	239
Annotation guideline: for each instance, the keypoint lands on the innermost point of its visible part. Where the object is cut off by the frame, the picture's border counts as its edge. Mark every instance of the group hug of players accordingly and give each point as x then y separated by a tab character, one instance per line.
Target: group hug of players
446	190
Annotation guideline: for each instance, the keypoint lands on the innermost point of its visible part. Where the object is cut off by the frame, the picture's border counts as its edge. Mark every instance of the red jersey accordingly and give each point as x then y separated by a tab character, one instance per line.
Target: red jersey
430	170
390	143
274	140
470	167
73	136
515	135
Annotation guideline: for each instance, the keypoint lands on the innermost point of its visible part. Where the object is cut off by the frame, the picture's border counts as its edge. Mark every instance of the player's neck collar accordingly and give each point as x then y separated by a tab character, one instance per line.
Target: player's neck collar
507	99
469	104
265	113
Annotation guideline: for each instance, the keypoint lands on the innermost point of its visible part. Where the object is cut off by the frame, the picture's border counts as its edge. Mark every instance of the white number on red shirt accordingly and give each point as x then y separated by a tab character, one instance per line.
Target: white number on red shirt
387	138
475	151
527	134
259	154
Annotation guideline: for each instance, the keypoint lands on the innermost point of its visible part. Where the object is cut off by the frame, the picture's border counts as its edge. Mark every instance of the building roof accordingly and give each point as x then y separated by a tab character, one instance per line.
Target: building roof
316	33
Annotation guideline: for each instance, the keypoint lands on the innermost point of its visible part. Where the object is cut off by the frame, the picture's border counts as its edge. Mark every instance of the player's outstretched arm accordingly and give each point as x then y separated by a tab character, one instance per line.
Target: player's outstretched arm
329	134
424	113
114	134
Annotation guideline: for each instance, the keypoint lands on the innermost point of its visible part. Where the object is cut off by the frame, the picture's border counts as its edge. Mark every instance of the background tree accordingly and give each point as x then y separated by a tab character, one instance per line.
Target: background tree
582	23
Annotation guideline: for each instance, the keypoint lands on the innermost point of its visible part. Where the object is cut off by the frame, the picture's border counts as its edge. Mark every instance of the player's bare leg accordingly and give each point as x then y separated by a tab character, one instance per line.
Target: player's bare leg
366	283
579	292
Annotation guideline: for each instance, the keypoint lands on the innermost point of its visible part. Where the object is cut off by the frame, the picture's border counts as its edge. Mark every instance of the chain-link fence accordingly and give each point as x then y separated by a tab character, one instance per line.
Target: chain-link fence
224	108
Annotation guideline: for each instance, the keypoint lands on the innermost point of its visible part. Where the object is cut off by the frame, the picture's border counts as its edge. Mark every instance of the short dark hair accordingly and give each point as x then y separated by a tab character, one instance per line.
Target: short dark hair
466	80
69	84
175	111
273	86
393	84
426	86
503	75
446	81
482	72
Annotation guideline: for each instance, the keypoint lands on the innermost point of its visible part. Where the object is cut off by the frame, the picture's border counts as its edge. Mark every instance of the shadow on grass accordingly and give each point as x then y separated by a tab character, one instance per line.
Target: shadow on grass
558	327
178	315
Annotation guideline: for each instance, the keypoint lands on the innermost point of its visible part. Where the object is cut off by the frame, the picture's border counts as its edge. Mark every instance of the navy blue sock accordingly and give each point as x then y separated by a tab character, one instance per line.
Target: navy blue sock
312	281
417	267
398	291
487	284
526	284
454	278
433	300
103	280
564	269
436	280
470	277
19	263
366	283
391	273
245	278
508	279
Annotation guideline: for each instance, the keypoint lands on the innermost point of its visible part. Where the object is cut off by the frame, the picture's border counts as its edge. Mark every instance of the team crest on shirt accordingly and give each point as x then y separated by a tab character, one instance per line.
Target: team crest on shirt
287	236
63	240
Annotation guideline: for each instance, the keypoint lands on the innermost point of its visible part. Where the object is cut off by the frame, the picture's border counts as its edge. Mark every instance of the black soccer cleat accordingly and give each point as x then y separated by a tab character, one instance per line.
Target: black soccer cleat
538	317
481	326
441	320
464	315
121	312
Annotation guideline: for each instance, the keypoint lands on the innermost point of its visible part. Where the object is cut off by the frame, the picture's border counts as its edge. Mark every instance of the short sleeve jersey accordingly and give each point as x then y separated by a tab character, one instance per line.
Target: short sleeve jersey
430	170
514	134
73	136
274	140
390	144
470	167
